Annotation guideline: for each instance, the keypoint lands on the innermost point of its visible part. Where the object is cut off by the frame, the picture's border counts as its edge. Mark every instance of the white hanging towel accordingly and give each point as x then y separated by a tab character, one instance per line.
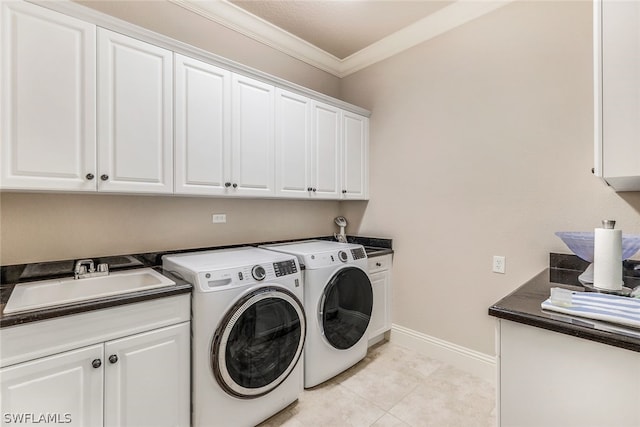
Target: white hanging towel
606	307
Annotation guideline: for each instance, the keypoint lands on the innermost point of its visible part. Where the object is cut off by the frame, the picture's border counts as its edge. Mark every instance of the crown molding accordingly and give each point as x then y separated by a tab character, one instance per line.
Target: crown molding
235	18
239	20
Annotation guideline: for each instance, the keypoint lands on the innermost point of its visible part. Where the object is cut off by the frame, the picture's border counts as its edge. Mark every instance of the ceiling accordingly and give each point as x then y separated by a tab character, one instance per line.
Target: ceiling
341	36
340	27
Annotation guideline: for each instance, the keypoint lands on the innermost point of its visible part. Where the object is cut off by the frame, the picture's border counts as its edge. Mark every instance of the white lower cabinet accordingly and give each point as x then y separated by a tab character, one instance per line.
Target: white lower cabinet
146	383
137	380
546	378
64	387
380	276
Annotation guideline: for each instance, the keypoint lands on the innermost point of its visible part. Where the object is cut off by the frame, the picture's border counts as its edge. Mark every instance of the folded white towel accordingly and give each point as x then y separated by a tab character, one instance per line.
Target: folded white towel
610	308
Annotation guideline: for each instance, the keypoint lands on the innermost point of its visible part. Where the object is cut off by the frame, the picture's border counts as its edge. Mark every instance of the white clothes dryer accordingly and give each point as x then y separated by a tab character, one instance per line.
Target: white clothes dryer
338	299
248	332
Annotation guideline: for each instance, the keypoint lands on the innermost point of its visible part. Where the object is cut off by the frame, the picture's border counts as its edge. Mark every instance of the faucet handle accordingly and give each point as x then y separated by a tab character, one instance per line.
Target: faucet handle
103	268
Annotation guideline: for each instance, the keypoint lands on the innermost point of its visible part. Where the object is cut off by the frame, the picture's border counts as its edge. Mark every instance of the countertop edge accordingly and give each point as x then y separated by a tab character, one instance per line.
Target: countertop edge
505	309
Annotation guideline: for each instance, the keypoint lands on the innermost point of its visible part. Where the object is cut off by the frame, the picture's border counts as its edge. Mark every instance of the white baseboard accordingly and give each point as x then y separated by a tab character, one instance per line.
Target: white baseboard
479	364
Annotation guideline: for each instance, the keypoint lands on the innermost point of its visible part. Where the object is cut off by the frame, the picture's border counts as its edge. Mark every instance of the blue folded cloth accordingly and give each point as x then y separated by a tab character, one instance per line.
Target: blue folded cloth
609	308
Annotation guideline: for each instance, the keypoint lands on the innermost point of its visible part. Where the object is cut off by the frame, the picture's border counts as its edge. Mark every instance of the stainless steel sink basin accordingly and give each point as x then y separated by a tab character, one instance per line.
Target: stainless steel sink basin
56	292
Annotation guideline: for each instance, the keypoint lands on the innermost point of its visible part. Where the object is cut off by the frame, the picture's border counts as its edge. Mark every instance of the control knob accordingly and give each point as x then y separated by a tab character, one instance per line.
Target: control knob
343	256
258	272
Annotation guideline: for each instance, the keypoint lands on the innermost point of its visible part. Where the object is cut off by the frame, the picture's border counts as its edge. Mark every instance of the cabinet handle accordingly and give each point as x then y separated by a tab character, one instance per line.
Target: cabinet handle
104	177
344	191
96	363
314	190
227	184
309	189
113	358
235	185
90	176
378	264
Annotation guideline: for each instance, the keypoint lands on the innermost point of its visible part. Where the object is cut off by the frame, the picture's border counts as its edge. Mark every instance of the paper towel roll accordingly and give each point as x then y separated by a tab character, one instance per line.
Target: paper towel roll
607	259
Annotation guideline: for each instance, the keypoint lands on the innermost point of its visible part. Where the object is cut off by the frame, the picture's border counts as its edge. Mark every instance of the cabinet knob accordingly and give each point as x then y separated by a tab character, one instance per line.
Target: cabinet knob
235	185
344	191
113	358
314	190
309	189
96	363
104	177
378	264
227	184
90	176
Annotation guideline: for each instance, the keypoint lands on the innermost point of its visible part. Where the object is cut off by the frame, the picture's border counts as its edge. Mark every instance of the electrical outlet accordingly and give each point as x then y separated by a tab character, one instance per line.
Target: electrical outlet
219	218
499	264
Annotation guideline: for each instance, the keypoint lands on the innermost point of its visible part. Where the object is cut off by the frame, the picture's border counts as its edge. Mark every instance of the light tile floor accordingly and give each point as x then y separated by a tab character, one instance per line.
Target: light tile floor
394	386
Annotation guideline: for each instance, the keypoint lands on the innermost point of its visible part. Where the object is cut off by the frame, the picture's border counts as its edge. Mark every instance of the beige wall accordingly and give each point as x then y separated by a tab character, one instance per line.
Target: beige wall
47	227
481	145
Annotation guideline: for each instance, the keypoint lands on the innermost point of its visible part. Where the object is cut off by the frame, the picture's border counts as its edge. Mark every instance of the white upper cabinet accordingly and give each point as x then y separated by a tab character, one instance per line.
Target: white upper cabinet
48	100
617	89
355	155
202	126
88	109
293	145
135	115
252	136
326	149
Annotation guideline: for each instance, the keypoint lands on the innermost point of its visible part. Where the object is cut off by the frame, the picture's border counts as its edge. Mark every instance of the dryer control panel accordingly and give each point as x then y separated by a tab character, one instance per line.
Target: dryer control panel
338	257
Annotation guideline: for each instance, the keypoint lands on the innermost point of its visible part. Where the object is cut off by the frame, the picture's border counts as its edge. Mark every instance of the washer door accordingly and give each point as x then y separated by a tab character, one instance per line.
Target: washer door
345	307
258	342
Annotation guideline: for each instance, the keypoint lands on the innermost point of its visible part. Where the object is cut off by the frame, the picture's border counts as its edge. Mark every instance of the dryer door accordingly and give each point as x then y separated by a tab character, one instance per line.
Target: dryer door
345	307
258	342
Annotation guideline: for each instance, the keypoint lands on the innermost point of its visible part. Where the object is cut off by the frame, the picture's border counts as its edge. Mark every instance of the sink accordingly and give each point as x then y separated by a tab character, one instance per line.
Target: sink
56	292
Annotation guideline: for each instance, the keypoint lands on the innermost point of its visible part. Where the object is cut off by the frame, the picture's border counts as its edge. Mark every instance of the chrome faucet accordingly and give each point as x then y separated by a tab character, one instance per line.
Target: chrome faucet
81	271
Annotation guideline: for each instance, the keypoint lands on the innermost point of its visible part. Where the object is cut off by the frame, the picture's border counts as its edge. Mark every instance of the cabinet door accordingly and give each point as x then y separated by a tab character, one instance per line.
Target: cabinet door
135	115
545	376
355	157
60	389
293	145
326	157
48	100
618	137
380	321
203	127
147	379
252	161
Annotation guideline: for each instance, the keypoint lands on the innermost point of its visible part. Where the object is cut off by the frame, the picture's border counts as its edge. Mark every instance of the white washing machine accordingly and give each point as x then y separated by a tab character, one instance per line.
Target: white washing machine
338	298
248	332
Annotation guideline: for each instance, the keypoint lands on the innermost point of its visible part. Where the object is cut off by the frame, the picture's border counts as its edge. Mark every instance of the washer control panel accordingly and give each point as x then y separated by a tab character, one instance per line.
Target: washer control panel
285	267
247	274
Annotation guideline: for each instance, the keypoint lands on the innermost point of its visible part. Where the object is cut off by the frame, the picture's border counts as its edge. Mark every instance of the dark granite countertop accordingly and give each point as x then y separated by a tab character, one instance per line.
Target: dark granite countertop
13	274
523	306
